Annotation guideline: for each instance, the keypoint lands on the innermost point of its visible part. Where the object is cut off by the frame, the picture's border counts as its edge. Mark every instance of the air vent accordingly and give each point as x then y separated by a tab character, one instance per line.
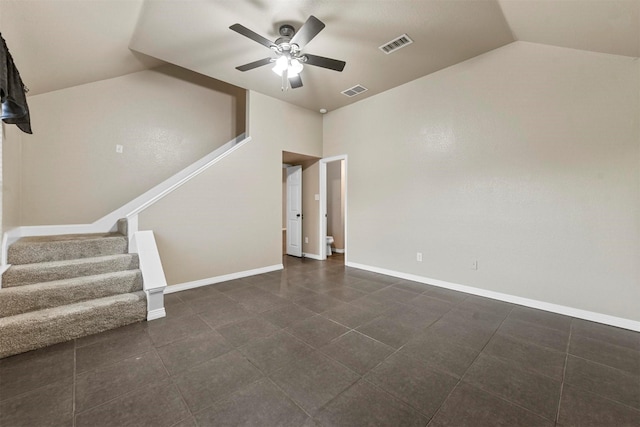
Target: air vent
395	44
353	91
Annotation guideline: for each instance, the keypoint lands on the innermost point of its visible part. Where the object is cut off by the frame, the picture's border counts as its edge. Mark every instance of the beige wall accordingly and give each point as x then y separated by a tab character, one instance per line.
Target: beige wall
525	159
335	203
228	219
11	156
165	119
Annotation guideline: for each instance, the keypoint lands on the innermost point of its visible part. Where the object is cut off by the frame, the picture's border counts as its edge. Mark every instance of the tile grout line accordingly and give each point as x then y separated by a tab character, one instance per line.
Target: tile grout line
469	367
564	374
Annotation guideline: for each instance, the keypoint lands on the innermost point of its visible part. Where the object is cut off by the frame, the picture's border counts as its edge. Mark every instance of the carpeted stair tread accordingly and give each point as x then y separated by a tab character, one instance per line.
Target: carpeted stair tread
29	250
36	329
39	296
26	274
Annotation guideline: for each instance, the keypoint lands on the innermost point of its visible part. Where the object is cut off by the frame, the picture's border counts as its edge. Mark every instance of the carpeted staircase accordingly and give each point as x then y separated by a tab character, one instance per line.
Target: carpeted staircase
63	287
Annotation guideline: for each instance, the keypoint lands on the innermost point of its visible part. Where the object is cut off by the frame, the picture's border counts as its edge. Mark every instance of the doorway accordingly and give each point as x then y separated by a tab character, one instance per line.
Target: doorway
333	204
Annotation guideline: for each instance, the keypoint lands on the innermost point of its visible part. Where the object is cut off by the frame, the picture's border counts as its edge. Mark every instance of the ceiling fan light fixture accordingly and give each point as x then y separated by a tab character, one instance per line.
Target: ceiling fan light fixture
295	67
282	64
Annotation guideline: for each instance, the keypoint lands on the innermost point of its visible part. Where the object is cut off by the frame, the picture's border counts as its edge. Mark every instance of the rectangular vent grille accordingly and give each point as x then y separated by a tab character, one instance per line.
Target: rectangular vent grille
395	44
353	91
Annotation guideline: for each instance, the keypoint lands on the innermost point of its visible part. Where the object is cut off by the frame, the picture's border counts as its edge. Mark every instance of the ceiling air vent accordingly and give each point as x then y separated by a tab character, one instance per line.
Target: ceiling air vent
395	44
353	91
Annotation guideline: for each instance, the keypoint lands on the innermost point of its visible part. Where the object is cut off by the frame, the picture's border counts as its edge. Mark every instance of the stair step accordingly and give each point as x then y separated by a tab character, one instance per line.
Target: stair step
30	250
36	329
27	274
40	296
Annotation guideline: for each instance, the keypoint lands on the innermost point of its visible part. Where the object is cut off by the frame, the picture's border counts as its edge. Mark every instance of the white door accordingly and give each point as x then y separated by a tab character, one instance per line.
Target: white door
294	211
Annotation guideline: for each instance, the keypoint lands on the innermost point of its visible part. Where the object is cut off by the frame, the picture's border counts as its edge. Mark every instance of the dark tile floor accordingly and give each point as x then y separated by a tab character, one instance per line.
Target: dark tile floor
321	344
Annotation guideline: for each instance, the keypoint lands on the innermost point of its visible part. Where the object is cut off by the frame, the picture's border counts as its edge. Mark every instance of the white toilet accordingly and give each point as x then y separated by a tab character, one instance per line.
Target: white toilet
329	243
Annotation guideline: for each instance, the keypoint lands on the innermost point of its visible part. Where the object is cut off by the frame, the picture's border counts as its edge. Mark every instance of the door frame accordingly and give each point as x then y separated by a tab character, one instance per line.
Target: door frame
323	204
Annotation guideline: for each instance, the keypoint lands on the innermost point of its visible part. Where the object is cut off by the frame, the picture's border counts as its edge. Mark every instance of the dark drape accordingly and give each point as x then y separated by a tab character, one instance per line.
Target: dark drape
12	92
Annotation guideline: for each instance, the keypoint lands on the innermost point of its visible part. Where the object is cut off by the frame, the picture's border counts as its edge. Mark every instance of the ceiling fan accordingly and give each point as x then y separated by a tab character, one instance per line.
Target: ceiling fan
289	60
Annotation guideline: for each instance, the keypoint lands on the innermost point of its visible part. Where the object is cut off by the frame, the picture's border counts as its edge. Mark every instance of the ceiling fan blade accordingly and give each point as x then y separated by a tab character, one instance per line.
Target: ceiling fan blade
308	31
321	61
241	29
295	81
254	64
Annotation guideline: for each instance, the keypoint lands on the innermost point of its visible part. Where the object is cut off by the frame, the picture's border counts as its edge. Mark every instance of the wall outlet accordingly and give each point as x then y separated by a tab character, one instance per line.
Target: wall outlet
419	256
306	240
119	149
474	264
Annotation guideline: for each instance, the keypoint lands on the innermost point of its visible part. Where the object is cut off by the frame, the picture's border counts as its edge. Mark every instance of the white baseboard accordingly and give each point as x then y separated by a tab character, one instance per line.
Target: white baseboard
158	313
541	305
338	251
224	278
312	256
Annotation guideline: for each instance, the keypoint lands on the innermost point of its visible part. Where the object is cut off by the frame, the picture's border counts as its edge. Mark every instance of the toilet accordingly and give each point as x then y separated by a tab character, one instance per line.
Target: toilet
329	243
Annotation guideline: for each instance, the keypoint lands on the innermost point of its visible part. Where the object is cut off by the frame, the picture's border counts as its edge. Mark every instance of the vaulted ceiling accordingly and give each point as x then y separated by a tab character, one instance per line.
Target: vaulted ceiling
63	43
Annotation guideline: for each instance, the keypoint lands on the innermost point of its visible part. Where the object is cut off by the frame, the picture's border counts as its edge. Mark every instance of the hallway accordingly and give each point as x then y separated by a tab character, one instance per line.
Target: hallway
323	344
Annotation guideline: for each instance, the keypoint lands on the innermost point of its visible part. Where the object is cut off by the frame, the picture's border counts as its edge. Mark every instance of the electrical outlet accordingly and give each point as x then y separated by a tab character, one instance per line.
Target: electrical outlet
419	256
474	264
306	240
119	149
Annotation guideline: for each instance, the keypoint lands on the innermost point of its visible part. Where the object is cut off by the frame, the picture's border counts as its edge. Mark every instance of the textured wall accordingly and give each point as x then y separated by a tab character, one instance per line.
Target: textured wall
525	159
165	119
228	219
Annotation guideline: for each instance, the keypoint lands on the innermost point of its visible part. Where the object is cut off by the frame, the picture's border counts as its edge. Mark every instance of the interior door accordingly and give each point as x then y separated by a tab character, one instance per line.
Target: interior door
294	211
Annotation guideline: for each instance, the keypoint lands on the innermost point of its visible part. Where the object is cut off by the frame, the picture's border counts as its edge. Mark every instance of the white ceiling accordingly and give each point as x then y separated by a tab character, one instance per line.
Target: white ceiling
62	43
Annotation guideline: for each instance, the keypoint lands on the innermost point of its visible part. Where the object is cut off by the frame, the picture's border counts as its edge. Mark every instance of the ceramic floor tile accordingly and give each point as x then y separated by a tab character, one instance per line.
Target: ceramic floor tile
440	353
541	318
534	392
389	331
581	408
244	331
317	331
366	285
287	315
51	405
350	315
431	305
357	352
395	294
608	354
319	303
166	330
604	381
225	314
546	337
468	406
34	369
529	357
345	294
210	381
110	381
158	405
414	382
193	350
606	333
111	350
268	407
474	302
466	334
275	352
448	295
313	380
365	405
415	287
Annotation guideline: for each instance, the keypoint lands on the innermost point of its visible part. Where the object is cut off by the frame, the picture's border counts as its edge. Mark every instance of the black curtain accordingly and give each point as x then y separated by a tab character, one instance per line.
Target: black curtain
12	92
